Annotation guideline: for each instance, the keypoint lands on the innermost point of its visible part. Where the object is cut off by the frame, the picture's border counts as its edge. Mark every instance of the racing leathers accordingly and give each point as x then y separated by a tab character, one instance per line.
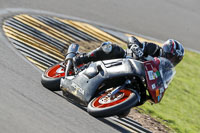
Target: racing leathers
109	50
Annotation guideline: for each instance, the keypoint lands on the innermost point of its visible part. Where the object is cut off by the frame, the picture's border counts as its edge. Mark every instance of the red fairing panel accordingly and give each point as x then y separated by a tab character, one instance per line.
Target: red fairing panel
154	80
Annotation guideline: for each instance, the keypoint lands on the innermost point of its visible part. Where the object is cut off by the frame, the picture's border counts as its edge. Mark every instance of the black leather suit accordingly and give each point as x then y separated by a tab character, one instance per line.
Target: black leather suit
117	52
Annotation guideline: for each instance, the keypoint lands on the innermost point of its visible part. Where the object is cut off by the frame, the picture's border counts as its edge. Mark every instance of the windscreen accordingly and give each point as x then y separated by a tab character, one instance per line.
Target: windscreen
167	71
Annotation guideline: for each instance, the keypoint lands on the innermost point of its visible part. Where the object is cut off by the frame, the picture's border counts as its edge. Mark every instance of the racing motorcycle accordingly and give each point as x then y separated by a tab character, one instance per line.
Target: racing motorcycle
109	87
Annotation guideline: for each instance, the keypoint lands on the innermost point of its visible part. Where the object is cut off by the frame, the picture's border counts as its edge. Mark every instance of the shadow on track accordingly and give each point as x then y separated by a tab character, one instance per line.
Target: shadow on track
112	124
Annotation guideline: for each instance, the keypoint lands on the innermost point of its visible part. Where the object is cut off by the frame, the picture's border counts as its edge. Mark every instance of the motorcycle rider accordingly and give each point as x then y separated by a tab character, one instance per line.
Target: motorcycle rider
171	49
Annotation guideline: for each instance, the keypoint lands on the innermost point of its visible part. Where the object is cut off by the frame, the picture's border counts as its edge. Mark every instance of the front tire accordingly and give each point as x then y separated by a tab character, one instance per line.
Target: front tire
105	106
52	76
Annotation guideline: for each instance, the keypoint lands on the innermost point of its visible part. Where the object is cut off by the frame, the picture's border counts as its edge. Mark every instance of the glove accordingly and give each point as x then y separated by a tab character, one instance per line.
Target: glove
137	50
81	59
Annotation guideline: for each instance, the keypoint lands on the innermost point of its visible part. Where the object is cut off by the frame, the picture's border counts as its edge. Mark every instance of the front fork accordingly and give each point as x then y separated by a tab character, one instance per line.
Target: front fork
68	67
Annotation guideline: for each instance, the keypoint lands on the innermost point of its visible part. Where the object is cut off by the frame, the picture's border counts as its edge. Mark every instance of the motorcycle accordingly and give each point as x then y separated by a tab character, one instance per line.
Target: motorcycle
110	87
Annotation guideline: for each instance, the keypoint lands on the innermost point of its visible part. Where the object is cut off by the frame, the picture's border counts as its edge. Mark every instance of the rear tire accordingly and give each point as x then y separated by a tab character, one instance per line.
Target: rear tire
52	76
125	99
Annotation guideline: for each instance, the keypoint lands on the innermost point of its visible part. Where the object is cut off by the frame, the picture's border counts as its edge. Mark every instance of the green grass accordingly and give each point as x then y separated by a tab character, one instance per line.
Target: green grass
180	107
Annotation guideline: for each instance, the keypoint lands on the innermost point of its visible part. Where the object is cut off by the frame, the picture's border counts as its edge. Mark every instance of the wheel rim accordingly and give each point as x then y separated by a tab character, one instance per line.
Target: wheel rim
56	71
104	100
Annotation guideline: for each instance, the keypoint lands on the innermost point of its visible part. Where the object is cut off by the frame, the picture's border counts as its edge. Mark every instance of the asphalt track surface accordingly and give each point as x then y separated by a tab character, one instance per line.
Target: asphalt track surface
41	44
27	107
160	19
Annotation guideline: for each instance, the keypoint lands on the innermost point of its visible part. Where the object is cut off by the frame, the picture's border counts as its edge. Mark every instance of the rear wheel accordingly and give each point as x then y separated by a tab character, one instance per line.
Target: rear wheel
52	76
104	105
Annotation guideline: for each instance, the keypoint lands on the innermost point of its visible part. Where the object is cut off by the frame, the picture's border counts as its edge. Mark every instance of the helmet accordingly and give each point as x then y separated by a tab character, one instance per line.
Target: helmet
173	50
132	40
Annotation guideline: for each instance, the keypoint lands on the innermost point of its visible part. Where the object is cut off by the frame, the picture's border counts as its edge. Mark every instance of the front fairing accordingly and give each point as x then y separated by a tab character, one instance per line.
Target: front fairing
158	77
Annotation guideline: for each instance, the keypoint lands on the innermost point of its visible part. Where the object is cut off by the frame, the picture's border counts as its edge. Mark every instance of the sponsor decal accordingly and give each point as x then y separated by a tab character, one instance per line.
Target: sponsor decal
162	90
78	88
155	76
151	75
157	92
153	86
158	73
159	97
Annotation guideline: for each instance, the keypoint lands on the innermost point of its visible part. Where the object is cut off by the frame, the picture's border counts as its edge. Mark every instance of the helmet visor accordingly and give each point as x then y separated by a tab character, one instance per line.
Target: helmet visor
173	58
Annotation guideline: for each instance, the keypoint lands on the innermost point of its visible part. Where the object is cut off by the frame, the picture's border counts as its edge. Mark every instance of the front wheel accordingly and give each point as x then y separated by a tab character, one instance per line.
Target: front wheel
104	105
52	76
